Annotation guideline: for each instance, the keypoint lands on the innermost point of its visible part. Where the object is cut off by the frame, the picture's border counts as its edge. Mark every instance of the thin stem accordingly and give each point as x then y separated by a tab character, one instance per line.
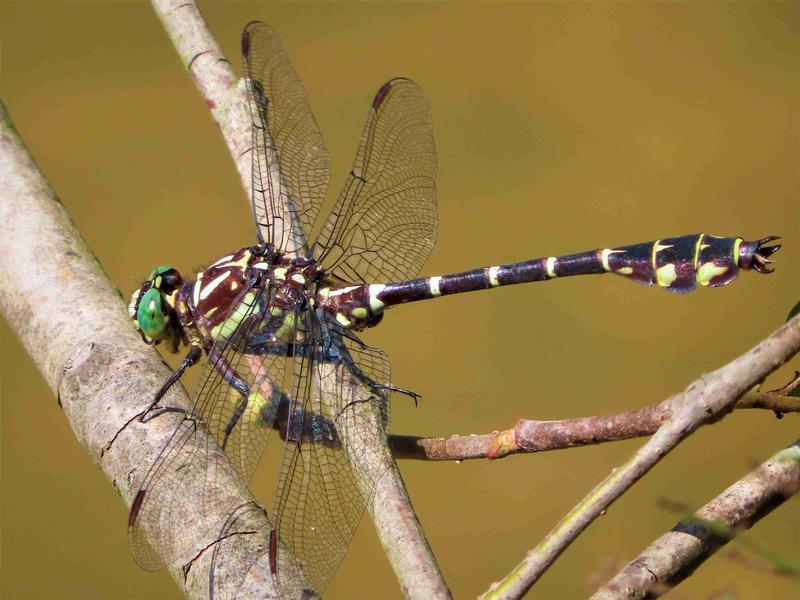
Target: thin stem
678	553
529	436
706	399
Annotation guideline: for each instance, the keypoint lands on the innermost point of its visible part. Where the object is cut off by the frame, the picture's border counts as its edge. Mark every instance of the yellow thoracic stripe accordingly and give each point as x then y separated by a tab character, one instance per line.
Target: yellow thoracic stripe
196	290
242	262
208	288
229	325
222	260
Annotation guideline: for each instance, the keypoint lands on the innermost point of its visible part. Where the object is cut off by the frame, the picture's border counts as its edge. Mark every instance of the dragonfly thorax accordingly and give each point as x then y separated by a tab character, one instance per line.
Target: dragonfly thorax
214	306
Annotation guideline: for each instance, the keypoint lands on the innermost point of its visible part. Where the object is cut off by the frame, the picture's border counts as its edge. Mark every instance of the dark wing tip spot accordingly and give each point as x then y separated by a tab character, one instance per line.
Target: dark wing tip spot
381	95
246	42
273	551
386	87
136	507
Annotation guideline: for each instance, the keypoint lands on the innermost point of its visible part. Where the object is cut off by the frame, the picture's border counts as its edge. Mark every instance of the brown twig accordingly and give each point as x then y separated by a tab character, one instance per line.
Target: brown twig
676	554
704	400
540	436
394	517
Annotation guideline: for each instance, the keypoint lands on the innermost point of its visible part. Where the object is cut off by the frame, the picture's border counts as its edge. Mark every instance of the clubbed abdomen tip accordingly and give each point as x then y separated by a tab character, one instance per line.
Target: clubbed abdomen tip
755	255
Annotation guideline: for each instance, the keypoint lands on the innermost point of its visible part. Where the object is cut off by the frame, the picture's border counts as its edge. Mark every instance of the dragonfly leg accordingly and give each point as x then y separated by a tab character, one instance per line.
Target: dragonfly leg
233	379
399	390
190	359
234	419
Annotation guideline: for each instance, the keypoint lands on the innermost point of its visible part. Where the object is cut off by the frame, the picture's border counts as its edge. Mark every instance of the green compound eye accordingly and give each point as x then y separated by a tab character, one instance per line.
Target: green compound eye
151	320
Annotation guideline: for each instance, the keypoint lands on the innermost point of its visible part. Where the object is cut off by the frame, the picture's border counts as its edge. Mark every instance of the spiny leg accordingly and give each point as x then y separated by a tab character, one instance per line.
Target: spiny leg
399	390
190	359
345	355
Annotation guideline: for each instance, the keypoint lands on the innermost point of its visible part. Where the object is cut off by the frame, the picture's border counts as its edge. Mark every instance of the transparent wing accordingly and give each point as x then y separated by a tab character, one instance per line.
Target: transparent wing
320	499
162	524
384	223
290	163
180	493
324	387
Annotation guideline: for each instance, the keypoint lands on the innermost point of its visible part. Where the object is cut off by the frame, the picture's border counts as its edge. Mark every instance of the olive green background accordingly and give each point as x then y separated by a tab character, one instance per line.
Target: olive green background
559	128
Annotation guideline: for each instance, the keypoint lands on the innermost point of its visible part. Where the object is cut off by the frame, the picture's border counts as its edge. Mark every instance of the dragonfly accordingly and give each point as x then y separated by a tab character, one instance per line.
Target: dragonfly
279	320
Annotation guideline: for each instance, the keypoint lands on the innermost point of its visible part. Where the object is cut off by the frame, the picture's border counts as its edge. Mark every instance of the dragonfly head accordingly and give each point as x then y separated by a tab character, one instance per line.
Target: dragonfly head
152	308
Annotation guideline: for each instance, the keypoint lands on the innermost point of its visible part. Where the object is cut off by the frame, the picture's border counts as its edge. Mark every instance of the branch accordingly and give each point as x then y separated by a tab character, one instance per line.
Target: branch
530	436
676	554
397	524
705	400
80	337
213	75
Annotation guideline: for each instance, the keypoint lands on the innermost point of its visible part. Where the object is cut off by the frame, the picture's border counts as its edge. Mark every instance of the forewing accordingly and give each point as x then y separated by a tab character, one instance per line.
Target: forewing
180	499
290	163
171	511
384	223
326	478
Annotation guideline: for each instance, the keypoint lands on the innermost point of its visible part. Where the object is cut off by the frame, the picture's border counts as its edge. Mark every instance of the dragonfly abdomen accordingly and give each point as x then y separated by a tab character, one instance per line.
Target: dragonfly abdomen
676	264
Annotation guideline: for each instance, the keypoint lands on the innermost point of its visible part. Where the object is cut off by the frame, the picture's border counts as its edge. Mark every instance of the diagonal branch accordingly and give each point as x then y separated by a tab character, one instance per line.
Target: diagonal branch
397	525
92	358
679	552
213	75
705	400
529	436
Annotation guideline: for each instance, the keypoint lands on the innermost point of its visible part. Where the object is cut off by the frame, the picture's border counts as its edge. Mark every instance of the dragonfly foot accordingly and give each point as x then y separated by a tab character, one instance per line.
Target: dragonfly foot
399	390
142	417
151	412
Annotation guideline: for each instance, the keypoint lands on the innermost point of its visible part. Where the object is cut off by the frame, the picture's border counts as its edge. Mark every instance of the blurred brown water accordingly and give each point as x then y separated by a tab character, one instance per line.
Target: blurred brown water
559	128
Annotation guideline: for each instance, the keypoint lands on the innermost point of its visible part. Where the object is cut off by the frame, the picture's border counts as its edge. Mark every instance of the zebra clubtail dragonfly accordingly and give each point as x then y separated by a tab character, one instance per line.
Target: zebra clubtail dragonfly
277	320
